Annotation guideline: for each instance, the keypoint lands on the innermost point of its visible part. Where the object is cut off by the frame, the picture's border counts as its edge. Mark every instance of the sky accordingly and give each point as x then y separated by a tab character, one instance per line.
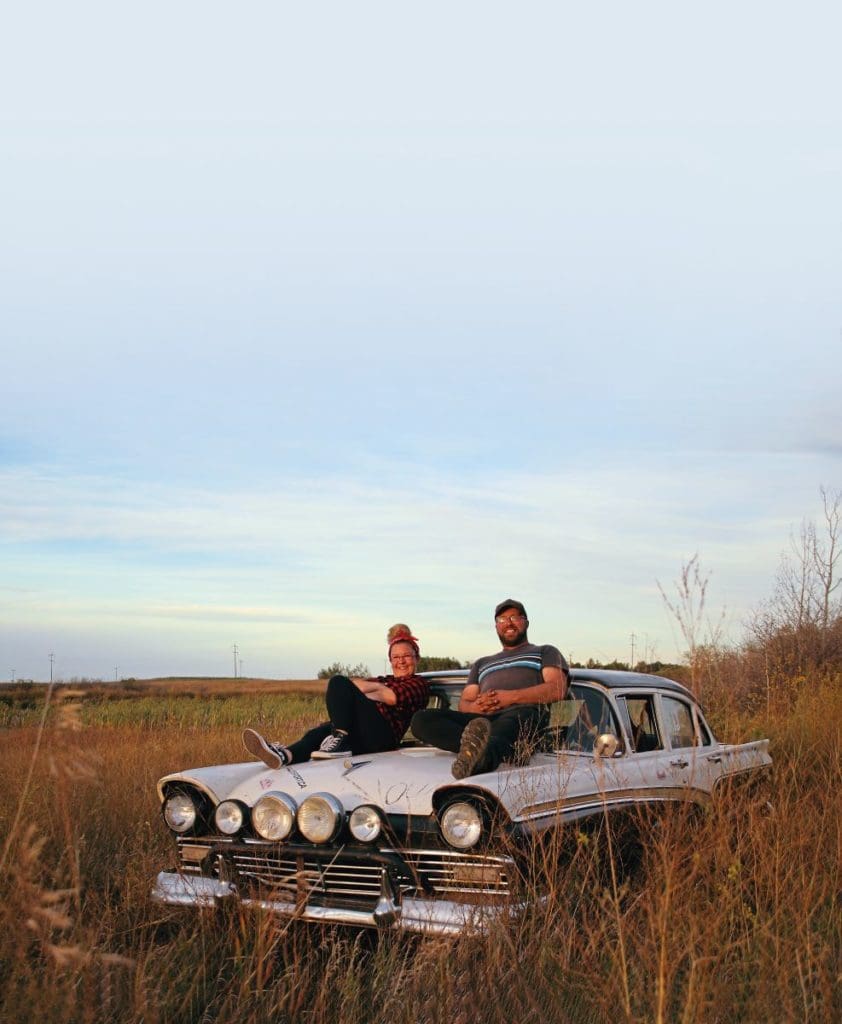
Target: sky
318	318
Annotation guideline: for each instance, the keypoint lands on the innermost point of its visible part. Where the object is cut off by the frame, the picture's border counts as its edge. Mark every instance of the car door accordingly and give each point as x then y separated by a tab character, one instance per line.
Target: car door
691	760
646	769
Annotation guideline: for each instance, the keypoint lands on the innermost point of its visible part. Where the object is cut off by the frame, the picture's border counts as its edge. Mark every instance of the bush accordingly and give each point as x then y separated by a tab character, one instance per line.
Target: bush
428	663
338	669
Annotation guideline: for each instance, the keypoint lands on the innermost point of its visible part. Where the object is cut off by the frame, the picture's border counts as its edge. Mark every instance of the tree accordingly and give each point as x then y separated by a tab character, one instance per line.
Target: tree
428	663
800	627
338	669
702	637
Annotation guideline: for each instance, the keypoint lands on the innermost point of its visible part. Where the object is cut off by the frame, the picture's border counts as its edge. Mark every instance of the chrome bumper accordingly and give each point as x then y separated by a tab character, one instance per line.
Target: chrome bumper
428	916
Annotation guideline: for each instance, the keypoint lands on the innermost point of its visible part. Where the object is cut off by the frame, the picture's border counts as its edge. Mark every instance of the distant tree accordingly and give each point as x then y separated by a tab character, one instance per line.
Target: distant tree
428	663
702	634
338	669
800	627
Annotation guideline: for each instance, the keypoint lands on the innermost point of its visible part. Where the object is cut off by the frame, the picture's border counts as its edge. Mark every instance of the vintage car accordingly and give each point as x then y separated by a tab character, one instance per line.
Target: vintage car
392	840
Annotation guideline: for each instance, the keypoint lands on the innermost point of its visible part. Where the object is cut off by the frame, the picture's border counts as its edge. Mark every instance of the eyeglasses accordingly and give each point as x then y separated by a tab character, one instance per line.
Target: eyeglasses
504	620
402	657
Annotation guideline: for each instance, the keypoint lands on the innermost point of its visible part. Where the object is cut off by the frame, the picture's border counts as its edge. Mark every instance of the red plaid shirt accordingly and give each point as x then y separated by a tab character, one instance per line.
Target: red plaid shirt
412	693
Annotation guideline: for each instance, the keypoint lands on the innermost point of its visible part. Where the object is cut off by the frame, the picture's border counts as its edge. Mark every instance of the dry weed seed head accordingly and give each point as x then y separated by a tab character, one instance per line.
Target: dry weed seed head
48	913
44	910
75	766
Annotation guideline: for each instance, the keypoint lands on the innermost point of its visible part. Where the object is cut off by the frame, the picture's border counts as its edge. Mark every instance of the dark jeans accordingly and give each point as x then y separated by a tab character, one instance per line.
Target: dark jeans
515	729
349	710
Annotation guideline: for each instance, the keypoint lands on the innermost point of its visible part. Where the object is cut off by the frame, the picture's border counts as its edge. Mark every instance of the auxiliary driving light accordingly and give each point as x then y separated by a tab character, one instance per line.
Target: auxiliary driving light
273	816
319	817
365	823
229	817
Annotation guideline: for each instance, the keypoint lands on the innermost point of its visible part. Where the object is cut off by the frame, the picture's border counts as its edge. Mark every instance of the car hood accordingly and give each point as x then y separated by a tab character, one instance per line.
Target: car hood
400	782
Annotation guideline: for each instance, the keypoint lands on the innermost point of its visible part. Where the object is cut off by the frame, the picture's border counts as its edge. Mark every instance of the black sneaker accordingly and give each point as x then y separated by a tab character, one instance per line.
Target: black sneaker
335	745
473	748
272	755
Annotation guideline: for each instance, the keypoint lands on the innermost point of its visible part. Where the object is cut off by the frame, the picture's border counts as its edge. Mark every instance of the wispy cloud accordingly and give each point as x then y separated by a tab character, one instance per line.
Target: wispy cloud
329	561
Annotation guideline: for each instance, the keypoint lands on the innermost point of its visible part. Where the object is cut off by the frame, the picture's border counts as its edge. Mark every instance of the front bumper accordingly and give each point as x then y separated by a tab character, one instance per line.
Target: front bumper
391	912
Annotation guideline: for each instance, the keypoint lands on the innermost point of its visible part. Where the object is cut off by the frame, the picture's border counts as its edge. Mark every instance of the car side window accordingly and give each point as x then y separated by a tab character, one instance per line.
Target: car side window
707	739
576	722
444	696
678	722
641	722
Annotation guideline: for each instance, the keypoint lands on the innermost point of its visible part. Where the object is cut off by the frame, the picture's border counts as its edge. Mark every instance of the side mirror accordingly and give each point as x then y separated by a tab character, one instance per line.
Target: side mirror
606	745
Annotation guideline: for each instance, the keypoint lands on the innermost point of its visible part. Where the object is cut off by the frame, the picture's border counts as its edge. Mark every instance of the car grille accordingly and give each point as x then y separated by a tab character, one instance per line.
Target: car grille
291	876
462	873
333	876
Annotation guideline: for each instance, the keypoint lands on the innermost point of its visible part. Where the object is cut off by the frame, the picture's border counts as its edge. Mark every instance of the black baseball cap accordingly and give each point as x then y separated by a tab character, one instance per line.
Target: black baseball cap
510	603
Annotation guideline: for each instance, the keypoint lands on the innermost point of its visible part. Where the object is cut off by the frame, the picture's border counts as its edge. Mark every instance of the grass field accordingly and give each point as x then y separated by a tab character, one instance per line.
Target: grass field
737	919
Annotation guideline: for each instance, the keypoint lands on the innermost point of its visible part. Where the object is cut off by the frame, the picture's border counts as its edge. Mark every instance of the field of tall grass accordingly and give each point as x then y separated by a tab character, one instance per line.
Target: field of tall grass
733	918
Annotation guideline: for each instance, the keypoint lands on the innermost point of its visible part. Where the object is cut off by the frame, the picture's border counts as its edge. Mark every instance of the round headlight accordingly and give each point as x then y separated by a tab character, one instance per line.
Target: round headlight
180	812
461	825
229	817
319	817
273	816
365	823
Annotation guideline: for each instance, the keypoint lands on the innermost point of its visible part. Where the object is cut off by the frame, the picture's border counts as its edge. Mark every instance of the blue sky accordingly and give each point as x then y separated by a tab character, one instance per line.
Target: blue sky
315	320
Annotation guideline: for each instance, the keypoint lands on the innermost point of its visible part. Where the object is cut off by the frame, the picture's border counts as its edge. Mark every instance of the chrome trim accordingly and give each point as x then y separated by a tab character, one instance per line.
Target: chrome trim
739	772
430	917
181	891
573	807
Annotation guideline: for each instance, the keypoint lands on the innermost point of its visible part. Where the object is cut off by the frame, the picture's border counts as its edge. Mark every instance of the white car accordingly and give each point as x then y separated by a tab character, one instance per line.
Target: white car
391	840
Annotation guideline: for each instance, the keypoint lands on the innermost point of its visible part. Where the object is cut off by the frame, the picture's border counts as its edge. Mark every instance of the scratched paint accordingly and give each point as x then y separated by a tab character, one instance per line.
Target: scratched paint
396	792
359	788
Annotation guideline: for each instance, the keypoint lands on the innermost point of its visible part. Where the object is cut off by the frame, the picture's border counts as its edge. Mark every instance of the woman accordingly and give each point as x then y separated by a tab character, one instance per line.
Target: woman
365	715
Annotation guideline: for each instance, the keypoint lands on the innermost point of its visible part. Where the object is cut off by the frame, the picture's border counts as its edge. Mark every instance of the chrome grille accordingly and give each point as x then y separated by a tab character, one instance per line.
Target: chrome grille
328	875
299	875
192	851
451	873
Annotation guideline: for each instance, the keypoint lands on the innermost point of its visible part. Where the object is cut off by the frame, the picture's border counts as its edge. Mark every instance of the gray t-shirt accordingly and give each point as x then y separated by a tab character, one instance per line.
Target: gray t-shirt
515	668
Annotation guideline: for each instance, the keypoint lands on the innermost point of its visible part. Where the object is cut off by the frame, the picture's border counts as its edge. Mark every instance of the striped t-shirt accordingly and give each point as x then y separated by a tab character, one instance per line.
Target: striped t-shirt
515	668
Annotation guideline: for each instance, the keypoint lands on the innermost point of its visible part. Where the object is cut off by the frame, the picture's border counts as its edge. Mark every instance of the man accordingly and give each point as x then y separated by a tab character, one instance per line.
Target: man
504	701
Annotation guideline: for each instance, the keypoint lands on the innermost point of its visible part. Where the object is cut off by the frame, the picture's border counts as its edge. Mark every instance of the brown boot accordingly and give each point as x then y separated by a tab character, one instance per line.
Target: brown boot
473	749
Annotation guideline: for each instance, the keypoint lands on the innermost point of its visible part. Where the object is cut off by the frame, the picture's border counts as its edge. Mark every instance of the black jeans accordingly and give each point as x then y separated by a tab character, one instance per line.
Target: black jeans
349	710
518	726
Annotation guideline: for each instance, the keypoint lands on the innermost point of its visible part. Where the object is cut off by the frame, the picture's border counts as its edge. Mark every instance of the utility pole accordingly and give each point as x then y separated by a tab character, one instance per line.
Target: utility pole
116	670
52	659
13	675
236	651
633	638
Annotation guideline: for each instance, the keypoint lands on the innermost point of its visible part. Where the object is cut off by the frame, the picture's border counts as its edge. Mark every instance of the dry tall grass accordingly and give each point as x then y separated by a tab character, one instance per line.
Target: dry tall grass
734	917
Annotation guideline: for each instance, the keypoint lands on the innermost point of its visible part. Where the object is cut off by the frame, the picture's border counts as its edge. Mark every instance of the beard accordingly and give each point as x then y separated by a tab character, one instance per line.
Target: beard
515	640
